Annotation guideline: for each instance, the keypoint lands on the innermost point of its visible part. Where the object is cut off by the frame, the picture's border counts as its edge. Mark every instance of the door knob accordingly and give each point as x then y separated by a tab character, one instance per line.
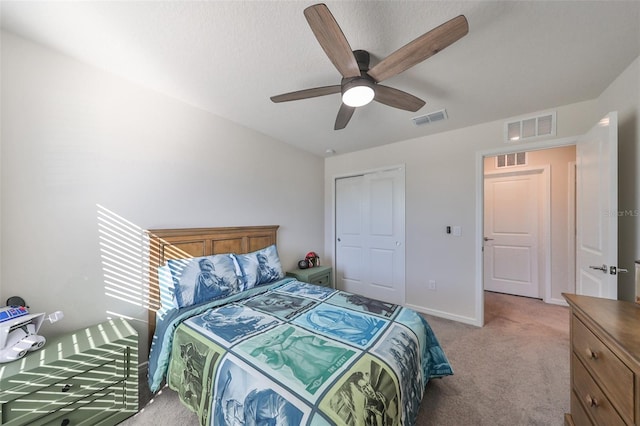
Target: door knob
602	268
613	270
488	239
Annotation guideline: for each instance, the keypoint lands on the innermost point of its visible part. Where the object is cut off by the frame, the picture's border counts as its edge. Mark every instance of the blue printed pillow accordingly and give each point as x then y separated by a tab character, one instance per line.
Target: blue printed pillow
260	267
165	282
199	279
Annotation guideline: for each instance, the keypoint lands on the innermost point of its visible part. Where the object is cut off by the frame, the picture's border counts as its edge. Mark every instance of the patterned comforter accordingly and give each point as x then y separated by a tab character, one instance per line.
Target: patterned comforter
293	353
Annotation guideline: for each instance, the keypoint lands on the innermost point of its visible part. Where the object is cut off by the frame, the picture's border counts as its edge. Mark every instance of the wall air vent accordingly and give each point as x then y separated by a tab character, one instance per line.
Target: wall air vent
530	127
431	117
511	160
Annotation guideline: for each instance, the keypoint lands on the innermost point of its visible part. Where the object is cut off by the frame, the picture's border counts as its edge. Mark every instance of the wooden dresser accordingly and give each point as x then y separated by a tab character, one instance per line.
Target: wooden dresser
86	378
605	362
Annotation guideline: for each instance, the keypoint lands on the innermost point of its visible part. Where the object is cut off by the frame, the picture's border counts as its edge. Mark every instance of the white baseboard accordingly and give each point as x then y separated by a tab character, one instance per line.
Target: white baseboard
445	315
560	302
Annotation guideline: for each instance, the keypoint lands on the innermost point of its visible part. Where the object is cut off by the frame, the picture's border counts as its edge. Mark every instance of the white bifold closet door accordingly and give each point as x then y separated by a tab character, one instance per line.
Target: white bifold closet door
370	234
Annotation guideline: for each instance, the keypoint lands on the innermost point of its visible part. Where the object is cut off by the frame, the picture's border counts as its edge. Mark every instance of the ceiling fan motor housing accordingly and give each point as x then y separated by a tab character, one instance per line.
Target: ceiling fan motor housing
363	59
361	89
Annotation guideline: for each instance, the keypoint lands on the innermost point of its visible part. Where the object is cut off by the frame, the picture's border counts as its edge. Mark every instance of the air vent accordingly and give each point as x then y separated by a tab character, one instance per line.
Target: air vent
511	160
432	117
530	127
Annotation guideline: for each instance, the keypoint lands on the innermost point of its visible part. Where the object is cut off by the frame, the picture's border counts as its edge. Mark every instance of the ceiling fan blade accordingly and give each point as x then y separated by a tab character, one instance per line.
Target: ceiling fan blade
397	98
344	115
332	40
420	49
306	93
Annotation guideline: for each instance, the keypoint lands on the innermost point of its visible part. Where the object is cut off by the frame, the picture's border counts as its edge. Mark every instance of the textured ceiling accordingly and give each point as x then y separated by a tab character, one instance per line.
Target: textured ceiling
230	57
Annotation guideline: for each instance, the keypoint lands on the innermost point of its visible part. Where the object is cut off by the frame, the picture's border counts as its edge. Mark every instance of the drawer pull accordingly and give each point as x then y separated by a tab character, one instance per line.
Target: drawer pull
592	354
66	388
591	401
65	422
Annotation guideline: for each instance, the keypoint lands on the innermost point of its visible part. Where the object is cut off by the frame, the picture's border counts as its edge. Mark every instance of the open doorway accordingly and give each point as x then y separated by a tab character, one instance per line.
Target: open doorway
529	223
595	205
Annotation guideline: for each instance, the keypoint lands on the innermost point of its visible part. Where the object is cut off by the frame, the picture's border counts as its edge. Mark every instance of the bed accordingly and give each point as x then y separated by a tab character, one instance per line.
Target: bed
244	345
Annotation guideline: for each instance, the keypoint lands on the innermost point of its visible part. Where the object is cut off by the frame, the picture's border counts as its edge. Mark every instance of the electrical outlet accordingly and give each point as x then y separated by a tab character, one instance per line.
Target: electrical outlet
432	284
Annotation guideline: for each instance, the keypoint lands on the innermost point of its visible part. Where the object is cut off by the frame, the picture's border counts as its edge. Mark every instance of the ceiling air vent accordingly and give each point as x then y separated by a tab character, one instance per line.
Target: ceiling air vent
432	117
530	127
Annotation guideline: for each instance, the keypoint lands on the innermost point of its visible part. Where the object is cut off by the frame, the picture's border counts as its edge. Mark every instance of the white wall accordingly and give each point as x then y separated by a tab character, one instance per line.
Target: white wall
75	138
623	95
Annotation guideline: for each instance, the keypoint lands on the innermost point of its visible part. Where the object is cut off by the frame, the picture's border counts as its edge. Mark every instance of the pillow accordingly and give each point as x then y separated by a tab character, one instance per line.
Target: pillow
165	283
199	279
260	267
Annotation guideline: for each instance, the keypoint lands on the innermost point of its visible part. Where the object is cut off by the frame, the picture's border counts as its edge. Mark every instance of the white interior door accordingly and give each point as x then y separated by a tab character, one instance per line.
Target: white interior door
370	235
512	214
597	210
349	234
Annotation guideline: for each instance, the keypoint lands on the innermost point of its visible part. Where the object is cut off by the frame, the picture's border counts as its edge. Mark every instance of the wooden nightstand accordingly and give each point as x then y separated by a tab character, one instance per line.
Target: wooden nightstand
319	275
84	378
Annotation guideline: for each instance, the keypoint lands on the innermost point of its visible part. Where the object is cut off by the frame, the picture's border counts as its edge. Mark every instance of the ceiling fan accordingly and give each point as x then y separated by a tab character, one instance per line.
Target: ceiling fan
360	84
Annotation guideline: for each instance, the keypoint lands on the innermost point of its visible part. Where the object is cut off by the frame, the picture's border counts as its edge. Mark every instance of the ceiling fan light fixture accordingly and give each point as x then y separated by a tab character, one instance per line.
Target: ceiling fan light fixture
358	92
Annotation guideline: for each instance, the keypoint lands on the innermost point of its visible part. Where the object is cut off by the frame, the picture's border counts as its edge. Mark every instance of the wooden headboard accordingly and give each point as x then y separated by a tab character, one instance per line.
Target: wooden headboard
165	244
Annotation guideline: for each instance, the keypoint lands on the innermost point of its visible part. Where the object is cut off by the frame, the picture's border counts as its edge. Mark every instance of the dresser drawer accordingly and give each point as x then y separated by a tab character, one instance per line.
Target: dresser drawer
612	375
60	389
591	397
90	411
86	377
322	279
578	416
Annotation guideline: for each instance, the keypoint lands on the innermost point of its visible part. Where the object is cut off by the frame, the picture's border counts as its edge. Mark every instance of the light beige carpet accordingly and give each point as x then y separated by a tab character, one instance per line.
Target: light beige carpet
513	371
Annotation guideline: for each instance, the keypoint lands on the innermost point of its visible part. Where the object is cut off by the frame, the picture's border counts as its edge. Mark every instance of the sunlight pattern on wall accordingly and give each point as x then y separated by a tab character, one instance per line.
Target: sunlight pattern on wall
124	252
